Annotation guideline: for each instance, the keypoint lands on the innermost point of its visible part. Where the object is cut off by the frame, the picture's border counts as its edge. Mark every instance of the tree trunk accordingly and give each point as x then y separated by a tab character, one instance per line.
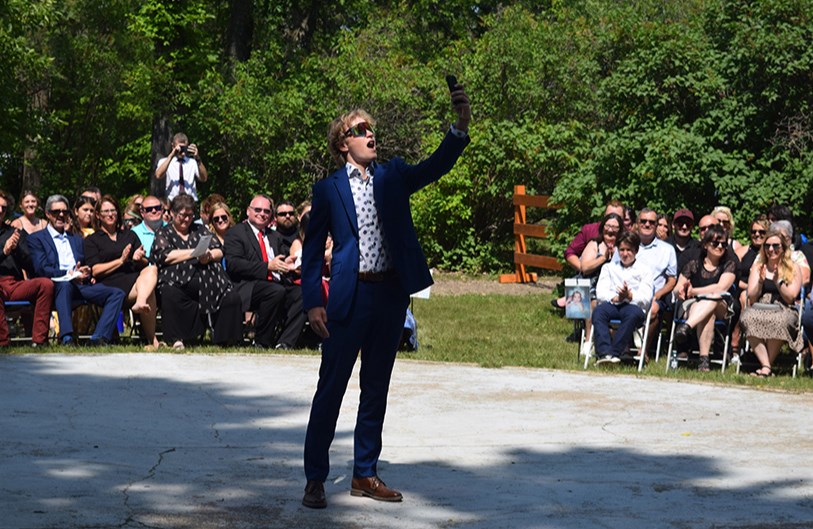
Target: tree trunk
240	32
161	137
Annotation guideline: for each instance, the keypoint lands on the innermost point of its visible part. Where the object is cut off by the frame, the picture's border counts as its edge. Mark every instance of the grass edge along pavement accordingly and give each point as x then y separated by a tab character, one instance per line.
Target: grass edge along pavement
470	324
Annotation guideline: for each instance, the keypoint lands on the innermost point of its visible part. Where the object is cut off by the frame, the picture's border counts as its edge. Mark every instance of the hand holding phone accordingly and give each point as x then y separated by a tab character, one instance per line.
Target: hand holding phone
451	80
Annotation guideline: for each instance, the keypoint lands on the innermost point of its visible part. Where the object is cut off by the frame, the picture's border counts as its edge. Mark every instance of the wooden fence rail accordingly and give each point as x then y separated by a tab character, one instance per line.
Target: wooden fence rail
521	230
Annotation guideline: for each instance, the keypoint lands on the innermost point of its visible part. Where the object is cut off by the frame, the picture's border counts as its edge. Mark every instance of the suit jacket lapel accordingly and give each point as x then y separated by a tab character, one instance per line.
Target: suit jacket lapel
342	184
253	242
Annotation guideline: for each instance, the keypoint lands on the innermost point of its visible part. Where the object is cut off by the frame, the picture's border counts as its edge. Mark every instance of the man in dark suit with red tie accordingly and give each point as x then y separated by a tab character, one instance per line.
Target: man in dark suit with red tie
259	270
377	263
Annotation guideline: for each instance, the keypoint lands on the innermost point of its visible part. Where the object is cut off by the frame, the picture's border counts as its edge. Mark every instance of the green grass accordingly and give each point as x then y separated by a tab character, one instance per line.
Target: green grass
499	330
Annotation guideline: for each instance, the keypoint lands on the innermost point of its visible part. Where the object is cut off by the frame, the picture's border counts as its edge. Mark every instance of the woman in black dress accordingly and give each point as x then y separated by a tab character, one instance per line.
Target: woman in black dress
710	276
193	287
117	259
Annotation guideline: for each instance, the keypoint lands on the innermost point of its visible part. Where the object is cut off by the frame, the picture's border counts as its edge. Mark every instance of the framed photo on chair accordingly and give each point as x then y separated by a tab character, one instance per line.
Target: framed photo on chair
577	299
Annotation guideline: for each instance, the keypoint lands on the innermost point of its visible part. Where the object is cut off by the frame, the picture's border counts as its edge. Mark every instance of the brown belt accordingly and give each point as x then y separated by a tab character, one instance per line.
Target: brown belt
376	277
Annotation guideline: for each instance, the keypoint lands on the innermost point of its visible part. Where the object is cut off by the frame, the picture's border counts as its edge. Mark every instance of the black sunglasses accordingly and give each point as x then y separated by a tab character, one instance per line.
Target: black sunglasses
718	244
647	221
152	209
758	232
773	246
220	218
359	130
285	213
262	210
59	212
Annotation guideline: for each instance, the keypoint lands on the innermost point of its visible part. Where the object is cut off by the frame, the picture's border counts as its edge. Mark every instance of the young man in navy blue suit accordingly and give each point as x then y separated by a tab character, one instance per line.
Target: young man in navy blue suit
377	263
56	252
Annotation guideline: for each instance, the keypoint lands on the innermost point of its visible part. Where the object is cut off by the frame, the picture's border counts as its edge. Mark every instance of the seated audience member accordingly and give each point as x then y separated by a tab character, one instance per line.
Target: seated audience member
29	222
587	233
287	224
681	238
193	287
152	212
182	168
783	212
167	215
132	212
773	286
84	216
624	292
57	253
726	219
747	255
220	220
711	275
796	256
629	222
596	254
260	270
660	258
303	208
14	261
664	229
116	259
206	208
92	192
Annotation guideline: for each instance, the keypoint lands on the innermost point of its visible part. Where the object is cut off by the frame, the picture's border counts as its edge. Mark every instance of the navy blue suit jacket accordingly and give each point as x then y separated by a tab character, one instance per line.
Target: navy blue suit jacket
334	213
45	257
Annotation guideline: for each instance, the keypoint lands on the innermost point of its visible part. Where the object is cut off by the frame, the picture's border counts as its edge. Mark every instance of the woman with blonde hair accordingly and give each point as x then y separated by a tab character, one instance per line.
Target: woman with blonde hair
220	220
773	286
29	222
726	219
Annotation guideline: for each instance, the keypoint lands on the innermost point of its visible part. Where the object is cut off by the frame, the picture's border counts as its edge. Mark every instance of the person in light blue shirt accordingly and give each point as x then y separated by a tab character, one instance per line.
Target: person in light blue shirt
151	213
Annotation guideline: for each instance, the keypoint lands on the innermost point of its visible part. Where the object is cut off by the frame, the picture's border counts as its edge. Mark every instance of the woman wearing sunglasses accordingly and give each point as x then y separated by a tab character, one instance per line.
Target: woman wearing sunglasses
703	288
773	286
746	255
220	220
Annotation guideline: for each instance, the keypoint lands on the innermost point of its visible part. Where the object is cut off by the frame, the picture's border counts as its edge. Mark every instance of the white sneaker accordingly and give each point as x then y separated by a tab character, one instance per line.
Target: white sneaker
608	359
587	348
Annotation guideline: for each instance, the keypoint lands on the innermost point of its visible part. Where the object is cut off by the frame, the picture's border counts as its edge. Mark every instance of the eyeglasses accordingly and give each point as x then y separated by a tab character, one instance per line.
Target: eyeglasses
683	223
704	228
725	222
775	247
220	218
108	212
758	232
644	222
185	215
152	209
137	204
285	213
264	211
359	130
59	212
718	244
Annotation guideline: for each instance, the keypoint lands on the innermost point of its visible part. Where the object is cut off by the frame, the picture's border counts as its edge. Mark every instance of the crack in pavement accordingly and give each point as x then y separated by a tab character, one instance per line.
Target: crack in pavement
126	492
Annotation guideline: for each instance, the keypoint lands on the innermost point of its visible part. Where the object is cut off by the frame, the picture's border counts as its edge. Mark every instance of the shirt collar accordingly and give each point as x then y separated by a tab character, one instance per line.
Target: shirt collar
354	172
55	234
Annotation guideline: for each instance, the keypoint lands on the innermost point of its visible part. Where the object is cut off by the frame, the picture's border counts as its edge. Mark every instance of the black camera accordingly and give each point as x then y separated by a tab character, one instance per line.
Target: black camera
183	149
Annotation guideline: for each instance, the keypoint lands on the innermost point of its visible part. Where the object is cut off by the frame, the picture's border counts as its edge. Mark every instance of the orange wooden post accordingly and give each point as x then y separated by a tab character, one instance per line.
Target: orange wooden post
521	229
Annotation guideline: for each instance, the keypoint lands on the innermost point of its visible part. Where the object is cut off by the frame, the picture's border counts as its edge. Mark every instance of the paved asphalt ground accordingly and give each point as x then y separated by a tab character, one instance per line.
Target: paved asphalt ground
215	441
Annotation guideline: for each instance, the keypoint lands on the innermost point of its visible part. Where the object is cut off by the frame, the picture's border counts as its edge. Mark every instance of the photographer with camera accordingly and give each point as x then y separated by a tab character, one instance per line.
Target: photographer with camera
182	168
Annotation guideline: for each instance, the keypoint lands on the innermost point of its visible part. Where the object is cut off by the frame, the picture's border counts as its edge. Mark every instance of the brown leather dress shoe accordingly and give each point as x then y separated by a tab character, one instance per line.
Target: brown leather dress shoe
374	488
314	495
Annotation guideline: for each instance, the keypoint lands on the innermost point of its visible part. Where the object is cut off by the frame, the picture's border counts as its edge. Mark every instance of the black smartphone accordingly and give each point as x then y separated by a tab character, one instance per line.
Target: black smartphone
451	80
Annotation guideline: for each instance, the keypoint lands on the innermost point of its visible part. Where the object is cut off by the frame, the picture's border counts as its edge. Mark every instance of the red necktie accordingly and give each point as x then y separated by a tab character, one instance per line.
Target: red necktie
264	252
181	190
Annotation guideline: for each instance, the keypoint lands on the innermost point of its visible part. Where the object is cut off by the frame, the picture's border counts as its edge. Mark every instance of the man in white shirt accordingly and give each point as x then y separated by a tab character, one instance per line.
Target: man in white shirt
624	292
182	168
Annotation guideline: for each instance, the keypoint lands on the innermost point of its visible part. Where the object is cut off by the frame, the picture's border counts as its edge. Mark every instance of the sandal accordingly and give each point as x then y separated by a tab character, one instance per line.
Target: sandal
761	372
704	366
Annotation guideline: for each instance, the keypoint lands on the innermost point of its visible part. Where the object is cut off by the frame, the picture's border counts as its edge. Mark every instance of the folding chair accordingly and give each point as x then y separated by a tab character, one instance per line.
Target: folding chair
721	340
